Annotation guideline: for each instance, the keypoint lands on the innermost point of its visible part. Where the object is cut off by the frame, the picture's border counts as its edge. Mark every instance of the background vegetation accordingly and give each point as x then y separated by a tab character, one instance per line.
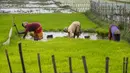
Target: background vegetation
94	50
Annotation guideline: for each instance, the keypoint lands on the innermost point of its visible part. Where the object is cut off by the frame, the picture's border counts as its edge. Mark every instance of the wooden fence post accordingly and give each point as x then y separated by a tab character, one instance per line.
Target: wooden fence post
124	65
85	65
6	52
39	63
21	57
54	64
107	64
70	65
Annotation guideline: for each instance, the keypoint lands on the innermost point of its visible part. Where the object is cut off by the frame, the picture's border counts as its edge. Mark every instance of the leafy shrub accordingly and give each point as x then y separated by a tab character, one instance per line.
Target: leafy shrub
102	32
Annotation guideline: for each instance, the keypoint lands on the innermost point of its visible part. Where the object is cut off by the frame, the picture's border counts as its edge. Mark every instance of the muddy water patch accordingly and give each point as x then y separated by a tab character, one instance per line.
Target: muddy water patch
51	35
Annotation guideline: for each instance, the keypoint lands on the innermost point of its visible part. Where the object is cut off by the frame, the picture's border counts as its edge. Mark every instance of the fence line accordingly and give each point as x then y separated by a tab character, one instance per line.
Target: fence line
125	63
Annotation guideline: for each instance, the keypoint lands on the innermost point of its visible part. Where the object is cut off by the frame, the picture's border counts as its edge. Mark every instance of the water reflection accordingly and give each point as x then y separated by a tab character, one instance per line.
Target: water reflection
93	36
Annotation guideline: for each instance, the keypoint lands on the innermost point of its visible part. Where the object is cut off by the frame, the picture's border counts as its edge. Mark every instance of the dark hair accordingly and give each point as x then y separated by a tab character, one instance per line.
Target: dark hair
117	37
65	29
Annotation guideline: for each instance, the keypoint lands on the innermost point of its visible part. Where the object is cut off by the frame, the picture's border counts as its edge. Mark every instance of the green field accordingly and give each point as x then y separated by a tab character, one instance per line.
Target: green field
50	22
94	50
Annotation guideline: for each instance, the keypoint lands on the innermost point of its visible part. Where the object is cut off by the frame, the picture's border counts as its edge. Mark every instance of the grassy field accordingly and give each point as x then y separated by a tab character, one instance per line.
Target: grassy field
50	22
94	50
62	48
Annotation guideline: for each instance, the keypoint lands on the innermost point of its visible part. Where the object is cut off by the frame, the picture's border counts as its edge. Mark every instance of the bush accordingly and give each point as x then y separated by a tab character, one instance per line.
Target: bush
102	32
91	30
